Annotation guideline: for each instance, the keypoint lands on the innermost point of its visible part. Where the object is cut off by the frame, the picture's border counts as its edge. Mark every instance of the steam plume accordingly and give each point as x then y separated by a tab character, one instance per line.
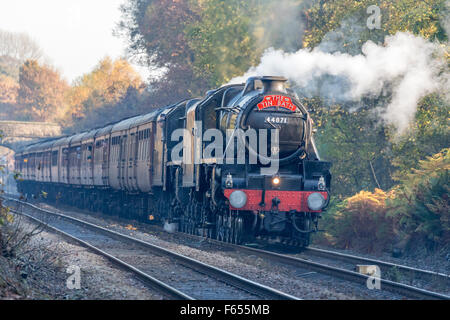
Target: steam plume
406	66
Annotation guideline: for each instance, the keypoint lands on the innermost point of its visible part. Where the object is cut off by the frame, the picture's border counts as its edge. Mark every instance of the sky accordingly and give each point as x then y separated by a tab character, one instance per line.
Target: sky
74	34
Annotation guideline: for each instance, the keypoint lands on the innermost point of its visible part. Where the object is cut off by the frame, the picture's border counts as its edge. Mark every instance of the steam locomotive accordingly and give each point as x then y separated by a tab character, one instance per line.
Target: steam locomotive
236	164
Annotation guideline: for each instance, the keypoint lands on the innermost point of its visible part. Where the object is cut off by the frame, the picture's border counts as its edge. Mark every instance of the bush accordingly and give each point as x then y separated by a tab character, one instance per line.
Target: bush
362	222
421	202
416	213
21	260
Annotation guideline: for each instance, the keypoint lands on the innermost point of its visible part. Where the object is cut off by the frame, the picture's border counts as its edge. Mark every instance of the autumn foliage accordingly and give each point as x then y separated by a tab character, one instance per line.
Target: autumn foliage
106	84
414	213
104	95
8	95
362	222
8	90
41	95
421	203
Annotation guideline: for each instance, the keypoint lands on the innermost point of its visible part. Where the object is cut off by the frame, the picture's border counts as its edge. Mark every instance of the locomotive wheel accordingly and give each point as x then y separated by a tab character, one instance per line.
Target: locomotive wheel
188	218
188	226
181	224
230	229
192	229
219	228
238	230
233	230
191	226
227	234
306	240
226	229
197	217
210	232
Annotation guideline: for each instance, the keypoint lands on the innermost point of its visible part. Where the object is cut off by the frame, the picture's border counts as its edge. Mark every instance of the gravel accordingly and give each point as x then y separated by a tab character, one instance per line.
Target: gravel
100	280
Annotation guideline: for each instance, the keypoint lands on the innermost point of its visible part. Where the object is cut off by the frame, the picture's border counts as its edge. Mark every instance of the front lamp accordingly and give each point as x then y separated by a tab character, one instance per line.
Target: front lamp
238	199
276	181
316	201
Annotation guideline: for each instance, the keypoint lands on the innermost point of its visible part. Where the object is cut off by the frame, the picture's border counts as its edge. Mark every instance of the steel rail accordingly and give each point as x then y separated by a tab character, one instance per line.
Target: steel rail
347	274
152	282
392	286
219	274
403	289
358	259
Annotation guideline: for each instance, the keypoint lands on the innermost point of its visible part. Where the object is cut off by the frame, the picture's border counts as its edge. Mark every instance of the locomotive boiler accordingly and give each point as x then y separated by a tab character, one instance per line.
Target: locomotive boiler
236	164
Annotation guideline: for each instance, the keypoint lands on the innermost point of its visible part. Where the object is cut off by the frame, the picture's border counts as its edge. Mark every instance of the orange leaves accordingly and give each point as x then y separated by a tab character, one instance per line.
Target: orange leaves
107	84
365	200
8	90
362	221
41	92
415	212
130	227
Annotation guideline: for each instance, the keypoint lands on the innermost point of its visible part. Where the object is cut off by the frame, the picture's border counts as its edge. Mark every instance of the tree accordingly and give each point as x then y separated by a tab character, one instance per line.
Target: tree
348	19
208	41
221	40
41	93
10	67
358	147
421	203
381	153
428	134
104	88
155	31
155	28
8	96
15	49
8	90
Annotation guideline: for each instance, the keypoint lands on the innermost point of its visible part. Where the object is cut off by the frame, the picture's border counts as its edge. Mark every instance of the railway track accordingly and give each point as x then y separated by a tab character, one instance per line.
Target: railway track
174	275
304	261
386	267
347	274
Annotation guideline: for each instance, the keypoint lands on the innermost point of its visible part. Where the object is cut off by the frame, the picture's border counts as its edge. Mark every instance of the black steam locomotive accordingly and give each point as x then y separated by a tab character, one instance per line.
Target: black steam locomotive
237	164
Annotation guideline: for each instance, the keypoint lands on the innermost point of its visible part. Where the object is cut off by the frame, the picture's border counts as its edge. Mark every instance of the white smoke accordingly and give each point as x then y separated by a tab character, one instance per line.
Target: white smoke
407	66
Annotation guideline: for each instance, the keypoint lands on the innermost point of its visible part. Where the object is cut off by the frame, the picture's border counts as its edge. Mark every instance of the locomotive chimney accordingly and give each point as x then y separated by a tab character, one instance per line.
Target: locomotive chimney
266	84
274	84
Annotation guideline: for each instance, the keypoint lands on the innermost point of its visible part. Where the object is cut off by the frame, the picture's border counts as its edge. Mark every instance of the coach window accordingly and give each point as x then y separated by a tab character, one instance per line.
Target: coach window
89	153
54	158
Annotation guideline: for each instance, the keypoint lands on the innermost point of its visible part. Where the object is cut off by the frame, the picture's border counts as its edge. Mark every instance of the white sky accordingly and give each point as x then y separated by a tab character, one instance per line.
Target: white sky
74	34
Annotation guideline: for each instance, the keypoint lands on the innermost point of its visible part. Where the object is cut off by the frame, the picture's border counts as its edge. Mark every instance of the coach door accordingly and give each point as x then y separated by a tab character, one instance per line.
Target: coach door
130	176
134	161
123	161
158	151
90	162
106	160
